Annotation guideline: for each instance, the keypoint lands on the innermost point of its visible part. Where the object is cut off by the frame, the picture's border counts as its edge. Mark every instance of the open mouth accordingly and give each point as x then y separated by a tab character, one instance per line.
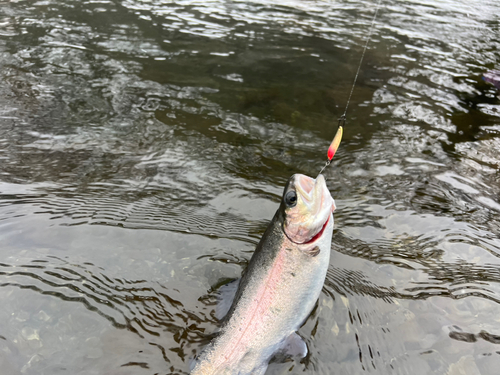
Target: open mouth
306	186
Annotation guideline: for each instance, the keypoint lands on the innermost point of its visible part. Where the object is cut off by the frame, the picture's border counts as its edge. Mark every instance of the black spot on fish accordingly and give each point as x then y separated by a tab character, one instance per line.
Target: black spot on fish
293	274
313	252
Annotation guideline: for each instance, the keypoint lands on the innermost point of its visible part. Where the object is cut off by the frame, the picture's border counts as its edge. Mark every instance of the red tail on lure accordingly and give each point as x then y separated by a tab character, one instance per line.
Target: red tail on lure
335	143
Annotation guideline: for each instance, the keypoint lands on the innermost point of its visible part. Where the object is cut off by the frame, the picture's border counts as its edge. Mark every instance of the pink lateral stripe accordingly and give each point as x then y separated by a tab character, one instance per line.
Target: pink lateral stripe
259	306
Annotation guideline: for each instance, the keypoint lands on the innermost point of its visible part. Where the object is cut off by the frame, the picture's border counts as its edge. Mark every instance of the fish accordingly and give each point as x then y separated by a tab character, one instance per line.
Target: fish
280	286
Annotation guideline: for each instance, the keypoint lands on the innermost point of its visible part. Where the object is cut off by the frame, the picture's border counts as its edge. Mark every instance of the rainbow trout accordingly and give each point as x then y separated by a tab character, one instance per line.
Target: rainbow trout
280	286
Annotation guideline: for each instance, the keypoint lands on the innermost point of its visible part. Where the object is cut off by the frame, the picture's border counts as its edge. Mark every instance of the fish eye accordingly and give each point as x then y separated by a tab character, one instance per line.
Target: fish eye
291	198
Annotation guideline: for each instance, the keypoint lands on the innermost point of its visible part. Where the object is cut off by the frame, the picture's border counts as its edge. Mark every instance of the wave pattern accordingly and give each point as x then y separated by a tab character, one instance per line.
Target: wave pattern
146	213
150	311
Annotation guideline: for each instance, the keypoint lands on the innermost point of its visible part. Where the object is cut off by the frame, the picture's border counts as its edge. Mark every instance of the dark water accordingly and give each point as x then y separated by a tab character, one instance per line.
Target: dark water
144	146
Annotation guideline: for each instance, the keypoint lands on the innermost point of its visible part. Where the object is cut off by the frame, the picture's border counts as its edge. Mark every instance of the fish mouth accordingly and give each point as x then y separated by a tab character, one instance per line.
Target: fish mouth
305	185
311	191
307	222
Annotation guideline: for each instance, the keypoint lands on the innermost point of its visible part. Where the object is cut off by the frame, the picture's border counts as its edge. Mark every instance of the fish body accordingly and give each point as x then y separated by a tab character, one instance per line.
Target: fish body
280	286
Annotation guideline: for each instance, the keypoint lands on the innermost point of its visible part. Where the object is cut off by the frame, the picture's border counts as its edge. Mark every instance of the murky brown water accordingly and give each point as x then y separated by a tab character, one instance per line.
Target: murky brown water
144	146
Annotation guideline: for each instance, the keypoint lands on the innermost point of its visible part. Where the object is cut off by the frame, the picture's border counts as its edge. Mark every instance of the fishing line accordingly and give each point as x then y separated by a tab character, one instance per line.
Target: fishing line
342	119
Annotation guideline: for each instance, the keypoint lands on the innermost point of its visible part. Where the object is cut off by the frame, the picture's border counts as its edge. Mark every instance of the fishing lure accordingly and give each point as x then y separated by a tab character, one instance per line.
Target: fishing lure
335	143
338	136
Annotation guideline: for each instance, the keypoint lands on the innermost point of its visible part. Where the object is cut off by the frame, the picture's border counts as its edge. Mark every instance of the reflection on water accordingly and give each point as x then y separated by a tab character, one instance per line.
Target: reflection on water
144	146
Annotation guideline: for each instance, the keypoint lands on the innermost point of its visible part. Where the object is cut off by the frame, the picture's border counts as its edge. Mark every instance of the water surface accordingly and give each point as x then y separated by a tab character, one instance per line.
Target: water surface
144	146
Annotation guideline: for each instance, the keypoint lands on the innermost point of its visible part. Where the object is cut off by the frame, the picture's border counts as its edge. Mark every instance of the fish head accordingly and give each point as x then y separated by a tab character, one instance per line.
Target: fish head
307	207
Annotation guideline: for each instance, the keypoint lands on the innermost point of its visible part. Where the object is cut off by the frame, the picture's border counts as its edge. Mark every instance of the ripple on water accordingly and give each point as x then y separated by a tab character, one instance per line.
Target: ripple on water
119	318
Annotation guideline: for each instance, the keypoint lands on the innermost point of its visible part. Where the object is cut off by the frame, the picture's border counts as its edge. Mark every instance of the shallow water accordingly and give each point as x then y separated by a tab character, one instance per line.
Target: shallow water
144	146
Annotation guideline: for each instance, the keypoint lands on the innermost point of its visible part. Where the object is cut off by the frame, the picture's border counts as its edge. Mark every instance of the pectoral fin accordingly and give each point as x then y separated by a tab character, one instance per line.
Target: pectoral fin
225	298
293	346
